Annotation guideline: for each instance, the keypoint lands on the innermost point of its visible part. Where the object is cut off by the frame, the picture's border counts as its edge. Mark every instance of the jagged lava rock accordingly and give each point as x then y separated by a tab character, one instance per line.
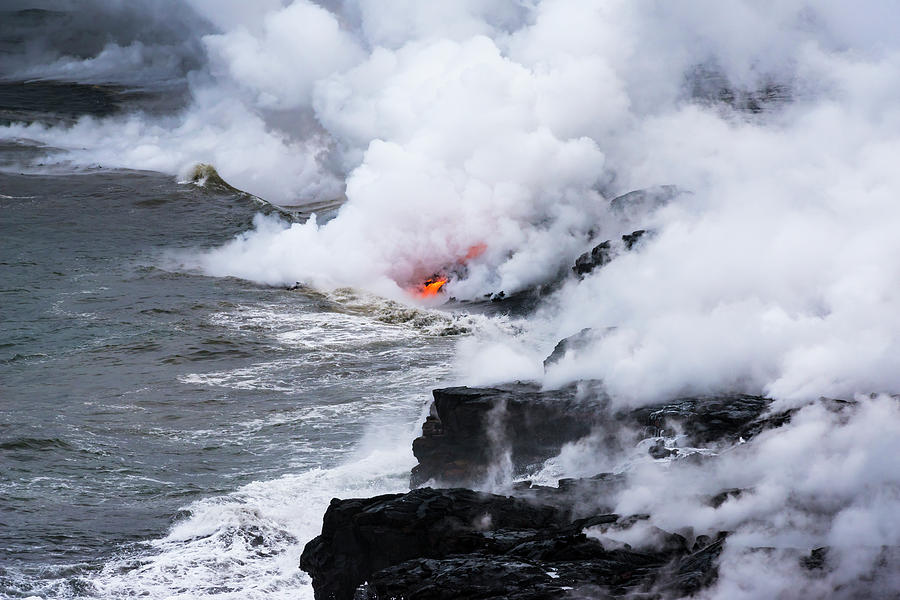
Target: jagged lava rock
637	204
564	566
631	239
708	419
362	536
604	252
471	428
441	544
573	342
456	543
596	257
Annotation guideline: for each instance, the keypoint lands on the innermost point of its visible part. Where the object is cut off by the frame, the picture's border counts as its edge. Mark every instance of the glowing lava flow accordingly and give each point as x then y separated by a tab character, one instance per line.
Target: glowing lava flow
432	286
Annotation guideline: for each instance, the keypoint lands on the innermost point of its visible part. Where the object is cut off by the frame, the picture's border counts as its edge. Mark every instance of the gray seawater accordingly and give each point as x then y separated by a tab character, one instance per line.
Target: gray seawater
172	435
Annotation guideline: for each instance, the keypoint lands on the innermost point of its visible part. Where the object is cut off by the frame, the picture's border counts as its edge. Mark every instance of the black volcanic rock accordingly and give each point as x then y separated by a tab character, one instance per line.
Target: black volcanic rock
362	536
633	207
573	342
596	257
592	572
697	570
441	544
659	451
586	500
707	419
708	84
725	495
472	576
474	428
544	542
604	252
631	239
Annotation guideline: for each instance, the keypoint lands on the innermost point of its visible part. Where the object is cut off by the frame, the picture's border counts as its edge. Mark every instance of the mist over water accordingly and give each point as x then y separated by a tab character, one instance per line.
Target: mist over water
509	127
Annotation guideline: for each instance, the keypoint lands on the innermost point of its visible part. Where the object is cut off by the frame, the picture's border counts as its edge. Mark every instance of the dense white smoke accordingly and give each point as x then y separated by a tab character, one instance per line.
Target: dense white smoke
780	272
483	140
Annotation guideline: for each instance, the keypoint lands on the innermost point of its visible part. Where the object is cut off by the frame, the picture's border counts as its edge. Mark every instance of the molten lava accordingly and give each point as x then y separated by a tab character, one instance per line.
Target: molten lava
432	286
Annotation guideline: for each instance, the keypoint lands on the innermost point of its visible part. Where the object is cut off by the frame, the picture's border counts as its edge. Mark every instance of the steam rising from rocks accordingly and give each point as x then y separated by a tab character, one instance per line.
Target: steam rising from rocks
826	480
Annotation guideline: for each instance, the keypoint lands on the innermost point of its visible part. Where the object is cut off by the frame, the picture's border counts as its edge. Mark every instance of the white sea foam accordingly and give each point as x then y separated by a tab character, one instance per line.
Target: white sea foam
366	339
322	330
248	544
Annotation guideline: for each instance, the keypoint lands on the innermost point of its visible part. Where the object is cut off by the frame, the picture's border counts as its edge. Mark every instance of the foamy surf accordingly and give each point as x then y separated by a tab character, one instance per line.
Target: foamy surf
248	544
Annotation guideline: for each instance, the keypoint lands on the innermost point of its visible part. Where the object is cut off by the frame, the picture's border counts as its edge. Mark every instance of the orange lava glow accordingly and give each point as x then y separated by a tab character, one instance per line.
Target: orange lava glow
432	286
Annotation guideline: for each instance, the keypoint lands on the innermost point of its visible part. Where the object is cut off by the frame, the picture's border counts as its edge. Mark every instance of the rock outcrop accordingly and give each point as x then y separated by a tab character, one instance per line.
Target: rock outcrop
596	257
456	543
572	343
706	420
604	252
516	427
541	542
471	430
633	208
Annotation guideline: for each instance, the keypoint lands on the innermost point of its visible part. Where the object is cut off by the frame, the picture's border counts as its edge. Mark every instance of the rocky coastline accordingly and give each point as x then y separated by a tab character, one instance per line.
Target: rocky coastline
527	541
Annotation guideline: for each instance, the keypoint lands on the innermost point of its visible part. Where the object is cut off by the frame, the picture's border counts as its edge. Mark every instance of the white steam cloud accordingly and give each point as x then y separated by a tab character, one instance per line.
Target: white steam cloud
494	134
826	480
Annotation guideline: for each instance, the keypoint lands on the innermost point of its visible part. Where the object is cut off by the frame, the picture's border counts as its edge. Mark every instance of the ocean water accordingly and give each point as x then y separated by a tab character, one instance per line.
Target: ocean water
167	434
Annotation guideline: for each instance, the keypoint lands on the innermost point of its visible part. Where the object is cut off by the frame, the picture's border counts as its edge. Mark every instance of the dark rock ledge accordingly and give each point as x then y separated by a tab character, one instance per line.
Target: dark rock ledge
459	543
471	430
